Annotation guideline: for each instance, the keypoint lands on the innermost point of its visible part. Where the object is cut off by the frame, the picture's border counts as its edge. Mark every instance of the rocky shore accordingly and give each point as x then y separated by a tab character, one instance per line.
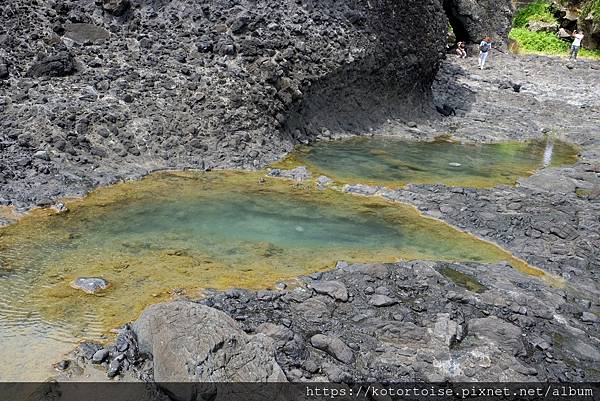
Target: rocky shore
414	321
102	91
417	321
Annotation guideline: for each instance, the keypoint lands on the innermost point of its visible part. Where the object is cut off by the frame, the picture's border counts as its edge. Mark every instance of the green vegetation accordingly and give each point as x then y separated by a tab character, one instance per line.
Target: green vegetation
537	11
546	43
530	42
591	7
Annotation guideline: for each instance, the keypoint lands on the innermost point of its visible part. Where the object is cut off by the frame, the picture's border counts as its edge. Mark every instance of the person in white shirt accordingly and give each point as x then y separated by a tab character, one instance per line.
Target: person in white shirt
578	35
484	51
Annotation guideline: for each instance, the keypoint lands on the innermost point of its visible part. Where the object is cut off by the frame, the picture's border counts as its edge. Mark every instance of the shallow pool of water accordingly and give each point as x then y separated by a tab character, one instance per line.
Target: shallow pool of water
190	231
394	162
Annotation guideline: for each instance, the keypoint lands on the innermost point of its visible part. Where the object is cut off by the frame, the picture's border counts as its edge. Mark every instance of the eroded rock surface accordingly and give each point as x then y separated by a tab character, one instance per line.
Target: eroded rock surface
192	342
153	84
472	20
517	329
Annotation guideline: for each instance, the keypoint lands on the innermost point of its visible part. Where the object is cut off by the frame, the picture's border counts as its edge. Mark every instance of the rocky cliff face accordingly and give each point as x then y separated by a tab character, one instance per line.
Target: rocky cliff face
583	15
473	20
94	91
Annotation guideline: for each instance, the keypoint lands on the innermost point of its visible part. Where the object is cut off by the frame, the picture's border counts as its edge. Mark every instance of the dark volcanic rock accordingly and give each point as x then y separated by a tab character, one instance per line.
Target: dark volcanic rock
115	7
177	84
58	64
460	335
473	20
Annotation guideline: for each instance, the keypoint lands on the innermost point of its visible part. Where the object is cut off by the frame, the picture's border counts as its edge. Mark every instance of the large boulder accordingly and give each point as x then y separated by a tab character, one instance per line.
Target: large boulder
86	33
473	20
115	7
190	342
58	64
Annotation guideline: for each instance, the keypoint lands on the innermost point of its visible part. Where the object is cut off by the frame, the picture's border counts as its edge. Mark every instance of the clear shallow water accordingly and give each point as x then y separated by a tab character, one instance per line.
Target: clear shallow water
393	162
190	231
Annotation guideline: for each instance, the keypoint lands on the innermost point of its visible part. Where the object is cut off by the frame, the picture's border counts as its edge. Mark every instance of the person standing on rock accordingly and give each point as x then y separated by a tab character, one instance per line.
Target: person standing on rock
578	35
484	51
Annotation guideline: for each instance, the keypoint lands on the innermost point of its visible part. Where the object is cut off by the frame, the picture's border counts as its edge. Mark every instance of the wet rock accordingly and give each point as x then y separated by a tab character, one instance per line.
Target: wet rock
323	182
360	189
334	289
88	349
100	355
297	174
58	64
90	285
60	207
114	368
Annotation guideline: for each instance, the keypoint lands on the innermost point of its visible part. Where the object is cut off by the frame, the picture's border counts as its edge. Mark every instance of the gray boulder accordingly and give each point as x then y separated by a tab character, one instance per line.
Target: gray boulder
115	7
190	342
494	331
382	300
333	346
334	289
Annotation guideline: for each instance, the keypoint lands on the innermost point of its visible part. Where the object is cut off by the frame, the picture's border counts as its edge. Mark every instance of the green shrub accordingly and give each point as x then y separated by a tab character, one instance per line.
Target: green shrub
536	11
591	7
545	43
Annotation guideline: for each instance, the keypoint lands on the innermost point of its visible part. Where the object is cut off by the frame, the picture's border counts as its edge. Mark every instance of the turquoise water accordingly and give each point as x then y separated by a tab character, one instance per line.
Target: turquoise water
179	233
383	160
